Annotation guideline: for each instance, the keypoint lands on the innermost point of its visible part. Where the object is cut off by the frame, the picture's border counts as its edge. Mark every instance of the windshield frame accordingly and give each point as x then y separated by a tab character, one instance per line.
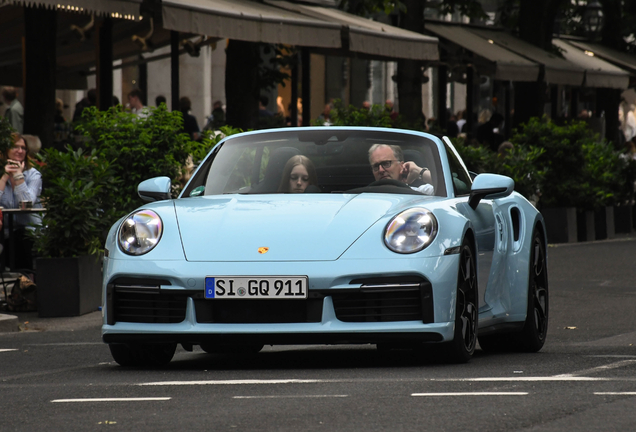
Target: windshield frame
328	141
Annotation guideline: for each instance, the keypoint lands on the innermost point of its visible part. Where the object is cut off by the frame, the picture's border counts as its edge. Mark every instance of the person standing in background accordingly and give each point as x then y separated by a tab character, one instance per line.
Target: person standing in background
629	128
390	107
135	103
190	124
15	111
159	100
88	101
263	101
217	118
461	116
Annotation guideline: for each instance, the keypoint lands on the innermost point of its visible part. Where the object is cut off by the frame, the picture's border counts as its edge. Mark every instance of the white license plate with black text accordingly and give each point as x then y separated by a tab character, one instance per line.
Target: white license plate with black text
256	287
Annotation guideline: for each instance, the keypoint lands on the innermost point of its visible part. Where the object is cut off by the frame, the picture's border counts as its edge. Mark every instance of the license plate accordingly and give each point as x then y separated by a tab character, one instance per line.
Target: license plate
256	287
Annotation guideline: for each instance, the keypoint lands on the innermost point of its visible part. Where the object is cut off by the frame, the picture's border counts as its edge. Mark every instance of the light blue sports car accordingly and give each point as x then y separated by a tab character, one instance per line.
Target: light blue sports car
327	235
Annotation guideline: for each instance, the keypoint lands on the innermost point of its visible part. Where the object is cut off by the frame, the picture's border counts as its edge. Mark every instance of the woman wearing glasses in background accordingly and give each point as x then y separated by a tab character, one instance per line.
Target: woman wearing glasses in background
20	182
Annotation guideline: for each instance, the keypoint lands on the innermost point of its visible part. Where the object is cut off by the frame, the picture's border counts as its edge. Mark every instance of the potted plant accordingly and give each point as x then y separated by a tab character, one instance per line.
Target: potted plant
78	193
87	190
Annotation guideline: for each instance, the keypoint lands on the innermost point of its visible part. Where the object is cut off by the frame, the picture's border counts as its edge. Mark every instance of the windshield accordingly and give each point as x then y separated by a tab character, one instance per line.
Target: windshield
325	160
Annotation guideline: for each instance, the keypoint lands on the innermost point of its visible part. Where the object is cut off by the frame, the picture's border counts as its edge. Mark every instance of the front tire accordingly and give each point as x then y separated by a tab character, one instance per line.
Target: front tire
143	355
535	328
461	349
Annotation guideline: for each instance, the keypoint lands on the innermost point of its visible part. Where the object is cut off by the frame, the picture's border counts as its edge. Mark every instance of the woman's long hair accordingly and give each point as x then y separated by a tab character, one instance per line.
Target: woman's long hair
289	166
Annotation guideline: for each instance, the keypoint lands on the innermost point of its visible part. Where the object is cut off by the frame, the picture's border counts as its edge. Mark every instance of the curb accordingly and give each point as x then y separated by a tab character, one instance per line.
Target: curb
9	323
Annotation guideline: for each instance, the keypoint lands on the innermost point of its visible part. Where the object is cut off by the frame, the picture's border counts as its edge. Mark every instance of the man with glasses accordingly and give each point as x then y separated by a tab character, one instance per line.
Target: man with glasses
387	162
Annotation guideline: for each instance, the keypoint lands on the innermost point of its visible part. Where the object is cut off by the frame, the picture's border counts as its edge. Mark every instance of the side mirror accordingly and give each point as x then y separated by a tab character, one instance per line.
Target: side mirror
155	189
490	186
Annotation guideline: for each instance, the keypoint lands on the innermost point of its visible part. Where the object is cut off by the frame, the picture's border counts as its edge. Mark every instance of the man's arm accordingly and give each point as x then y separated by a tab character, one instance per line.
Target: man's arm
416	174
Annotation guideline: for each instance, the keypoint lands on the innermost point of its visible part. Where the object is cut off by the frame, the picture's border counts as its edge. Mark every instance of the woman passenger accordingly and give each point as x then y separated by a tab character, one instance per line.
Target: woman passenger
298	173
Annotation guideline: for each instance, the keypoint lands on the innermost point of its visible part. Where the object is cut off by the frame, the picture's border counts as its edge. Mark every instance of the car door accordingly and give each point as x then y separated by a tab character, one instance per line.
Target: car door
486	220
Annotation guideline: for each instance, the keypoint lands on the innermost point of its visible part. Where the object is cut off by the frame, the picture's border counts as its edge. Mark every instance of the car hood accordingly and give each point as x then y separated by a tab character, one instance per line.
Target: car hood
292	227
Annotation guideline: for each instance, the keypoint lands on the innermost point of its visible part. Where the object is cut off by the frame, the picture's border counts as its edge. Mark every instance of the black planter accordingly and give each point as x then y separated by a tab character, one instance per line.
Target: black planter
560	223
623	219
68	286
585	225
604	223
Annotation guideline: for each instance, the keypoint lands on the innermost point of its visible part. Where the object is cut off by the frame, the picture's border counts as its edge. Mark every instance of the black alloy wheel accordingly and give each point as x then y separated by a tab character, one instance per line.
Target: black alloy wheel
535	328
461	349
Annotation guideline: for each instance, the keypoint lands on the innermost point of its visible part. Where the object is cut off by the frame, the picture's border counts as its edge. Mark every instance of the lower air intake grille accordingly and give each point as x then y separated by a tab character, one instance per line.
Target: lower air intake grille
258	311
386	300
158	308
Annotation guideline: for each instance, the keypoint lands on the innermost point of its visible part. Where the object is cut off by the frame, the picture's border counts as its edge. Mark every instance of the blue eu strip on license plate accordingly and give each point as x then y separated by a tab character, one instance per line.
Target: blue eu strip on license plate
209	287
256	287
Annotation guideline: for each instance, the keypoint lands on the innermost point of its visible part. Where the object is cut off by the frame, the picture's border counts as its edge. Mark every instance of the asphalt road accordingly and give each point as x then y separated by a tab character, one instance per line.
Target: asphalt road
57	375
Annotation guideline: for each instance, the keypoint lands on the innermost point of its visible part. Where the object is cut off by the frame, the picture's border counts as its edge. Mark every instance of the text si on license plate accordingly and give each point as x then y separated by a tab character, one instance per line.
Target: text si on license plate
256	287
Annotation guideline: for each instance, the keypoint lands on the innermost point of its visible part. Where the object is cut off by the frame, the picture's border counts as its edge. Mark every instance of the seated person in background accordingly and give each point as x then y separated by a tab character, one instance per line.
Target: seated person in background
299	173
387	162
20	182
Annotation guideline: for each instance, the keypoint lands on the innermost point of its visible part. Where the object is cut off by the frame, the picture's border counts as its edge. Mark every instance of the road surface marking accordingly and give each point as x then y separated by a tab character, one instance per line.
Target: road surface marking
8	349
113	399
550	378
615	393
600	368
290	397
65	344
234	382
613	356
472	394
324	381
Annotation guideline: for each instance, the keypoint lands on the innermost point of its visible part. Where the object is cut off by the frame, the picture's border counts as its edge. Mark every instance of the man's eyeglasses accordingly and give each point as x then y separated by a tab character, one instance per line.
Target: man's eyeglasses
384	164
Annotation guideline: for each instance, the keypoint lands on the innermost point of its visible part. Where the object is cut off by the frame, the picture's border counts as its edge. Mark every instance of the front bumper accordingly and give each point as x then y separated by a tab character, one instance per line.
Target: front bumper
417	306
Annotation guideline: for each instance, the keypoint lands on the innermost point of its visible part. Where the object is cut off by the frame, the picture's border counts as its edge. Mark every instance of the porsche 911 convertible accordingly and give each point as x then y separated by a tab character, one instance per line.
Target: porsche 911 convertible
327	235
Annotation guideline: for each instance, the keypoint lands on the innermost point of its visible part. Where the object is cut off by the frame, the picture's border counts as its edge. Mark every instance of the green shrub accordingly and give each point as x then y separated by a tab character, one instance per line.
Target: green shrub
342	115
78	193
139	148
5	135
564	183
519	163
579	170
477	159
210	139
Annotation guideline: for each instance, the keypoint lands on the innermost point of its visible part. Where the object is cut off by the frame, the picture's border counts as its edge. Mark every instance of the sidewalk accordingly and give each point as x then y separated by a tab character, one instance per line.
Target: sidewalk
30	321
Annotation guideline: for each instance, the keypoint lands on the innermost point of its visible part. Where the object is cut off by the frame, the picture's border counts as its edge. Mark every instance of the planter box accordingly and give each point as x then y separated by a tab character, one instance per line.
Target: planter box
560	223
585	225
623	219
604	223
68	286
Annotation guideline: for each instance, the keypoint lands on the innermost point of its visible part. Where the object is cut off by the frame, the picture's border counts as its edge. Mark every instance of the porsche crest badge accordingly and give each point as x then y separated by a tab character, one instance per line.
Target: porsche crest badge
262	250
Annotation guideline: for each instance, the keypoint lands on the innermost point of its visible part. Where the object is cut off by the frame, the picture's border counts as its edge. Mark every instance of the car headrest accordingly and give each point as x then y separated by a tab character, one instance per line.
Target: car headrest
415	156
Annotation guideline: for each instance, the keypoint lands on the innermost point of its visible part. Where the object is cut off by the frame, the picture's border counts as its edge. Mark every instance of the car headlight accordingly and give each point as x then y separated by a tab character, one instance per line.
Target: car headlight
410	231
140	232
